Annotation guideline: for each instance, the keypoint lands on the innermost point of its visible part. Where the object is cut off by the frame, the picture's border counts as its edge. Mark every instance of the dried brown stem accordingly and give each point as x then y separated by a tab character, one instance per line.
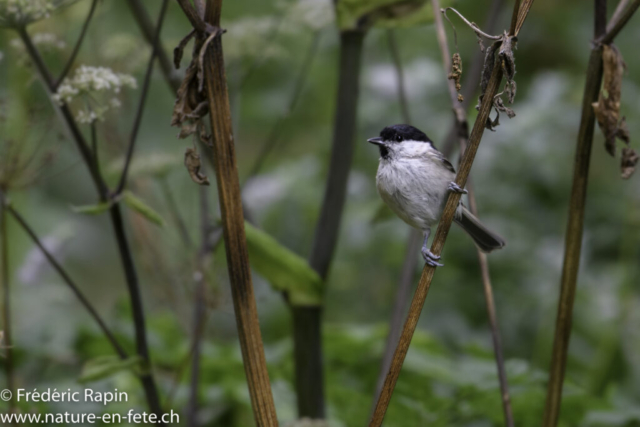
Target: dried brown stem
463	134
438	243
233	226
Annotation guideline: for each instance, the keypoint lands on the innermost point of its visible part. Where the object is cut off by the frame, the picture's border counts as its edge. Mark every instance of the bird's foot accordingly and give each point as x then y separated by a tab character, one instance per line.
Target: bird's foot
430	258
455	188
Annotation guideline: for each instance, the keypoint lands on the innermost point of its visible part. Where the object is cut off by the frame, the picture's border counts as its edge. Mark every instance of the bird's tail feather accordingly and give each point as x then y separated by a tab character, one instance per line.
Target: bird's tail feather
486	240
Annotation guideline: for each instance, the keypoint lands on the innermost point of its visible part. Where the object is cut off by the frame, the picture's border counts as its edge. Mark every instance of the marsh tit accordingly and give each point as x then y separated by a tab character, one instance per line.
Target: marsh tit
414	178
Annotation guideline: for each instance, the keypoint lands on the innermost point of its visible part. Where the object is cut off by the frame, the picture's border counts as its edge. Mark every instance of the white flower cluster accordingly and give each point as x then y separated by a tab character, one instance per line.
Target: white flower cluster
17	13
93	84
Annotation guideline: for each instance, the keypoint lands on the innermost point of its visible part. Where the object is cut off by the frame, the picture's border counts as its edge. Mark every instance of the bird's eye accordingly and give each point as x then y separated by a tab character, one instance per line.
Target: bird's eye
399	138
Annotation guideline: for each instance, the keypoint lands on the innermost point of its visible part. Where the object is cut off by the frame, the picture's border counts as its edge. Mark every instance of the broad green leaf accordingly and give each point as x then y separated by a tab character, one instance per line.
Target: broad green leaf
142	208
352	14
106	366
96	209
282	268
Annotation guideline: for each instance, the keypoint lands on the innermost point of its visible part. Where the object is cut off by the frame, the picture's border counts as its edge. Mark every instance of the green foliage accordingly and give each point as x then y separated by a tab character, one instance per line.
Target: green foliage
282	268
138	205
105	366
354	14
96	209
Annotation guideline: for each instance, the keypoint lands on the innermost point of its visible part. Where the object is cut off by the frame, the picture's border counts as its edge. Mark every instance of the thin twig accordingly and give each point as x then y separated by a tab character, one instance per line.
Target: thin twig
68	280
397	63
471	81
441	234
575	227
143	98
224	157
148	31
269	144
471	25
76	49
615	17
192	15
175	213
617	26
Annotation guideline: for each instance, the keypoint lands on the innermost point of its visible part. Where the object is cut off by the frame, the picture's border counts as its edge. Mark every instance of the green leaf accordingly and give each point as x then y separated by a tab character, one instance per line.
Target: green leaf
353	14
106	366
282	268
96	209
142	208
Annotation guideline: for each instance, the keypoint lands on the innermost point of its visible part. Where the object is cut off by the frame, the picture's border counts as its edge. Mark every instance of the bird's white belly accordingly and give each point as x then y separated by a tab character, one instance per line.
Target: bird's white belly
413	190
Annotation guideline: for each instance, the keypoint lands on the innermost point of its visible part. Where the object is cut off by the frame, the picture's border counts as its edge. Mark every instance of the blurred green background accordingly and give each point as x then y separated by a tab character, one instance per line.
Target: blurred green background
522	178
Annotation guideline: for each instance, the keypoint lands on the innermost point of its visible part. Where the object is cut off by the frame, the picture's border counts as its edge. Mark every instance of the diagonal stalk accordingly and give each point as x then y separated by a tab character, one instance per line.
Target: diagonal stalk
441	234
460	119
65	277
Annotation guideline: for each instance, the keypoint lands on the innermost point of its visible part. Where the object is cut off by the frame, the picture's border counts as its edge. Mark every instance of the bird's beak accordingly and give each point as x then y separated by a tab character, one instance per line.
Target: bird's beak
377	140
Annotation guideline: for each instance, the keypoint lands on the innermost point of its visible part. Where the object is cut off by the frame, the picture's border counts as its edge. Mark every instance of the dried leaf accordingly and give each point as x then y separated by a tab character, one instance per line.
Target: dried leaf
607	109
193	165
456	73
179	50
507	59
499	106
487	69
628	163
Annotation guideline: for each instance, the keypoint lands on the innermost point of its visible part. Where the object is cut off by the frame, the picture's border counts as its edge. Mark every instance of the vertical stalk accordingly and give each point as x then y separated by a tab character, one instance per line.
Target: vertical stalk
6	306
224	158
575	226
308	320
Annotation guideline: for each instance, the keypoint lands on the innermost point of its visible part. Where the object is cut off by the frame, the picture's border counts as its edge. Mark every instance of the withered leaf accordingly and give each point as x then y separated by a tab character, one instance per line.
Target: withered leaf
456	73
628	162
193	165
607	109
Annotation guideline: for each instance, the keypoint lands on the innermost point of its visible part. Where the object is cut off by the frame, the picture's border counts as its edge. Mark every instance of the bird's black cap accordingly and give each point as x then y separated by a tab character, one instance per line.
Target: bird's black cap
399	133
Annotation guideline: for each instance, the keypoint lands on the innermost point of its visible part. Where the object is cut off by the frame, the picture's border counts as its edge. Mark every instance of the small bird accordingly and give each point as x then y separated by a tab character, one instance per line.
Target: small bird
414	178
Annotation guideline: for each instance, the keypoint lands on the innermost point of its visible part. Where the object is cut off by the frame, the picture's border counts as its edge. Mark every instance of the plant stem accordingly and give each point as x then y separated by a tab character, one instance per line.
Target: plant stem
471	81
397	63
146	26
76	48
143	98
436	248
407	274
575	226
68	280
618	25
310	371
462	126
7	341
116	218
300	81
224	158
199	315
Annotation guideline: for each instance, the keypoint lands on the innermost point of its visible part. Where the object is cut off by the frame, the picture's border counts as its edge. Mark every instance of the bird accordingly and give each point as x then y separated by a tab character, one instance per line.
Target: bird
414	180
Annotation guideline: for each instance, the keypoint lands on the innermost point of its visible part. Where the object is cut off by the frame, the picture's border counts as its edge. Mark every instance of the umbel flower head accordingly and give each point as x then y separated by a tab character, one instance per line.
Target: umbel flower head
18	13
97	86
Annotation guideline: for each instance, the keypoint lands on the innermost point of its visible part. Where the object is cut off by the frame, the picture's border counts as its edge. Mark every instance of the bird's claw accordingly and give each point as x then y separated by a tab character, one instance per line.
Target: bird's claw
453	187
431	259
